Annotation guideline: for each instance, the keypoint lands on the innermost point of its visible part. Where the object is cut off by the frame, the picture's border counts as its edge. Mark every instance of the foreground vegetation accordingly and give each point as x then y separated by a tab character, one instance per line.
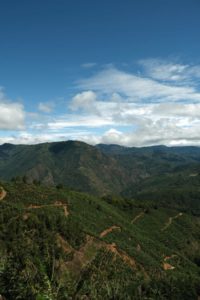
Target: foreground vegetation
61	244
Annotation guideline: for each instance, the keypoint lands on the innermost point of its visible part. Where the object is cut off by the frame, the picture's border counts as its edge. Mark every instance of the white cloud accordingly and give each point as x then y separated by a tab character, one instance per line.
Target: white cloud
46	107
12	115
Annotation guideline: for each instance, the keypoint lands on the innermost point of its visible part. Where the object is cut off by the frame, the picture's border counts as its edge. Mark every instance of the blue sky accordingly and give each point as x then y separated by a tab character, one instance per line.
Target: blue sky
110	71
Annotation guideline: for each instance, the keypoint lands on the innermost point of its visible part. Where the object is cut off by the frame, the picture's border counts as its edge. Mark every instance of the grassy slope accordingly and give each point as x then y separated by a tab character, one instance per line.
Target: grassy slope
73	260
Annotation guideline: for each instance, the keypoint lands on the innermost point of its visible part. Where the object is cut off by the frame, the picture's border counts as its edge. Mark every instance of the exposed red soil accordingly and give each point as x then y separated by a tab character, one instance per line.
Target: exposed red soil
166	265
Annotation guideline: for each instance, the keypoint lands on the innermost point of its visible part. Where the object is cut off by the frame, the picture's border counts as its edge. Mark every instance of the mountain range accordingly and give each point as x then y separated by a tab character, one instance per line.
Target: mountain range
101	169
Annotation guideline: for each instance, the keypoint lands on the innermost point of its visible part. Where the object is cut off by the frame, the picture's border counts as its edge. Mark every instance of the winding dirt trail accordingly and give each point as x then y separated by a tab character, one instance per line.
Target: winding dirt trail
137	217
3	193
171	220
56	204
108	230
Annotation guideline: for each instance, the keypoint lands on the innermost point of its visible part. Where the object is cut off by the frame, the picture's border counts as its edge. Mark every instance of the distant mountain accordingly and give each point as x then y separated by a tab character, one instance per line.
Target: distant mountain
101	169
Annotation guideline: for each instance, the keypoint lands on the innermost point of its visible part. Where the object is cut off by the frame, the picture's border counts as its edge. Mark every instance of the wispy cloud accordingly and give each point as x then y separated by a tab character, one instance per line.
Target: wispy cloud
138	88
164	70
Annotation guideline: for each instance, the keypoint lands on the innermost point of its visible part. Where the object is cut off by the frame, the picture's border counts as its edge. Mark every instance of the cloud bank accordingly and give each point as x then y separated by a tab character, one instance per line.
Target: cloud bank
159	104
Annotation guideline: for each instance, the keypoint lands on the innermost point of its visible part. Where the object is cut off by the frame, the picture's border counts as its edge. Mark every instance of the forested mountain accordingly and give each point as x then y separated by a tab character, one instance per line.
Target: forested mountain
101	169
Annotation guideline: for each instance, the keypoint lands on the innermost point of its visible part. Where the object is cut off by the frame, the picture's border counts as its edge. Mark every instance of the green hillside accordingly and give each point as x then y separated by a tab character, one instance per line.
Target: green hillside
62	244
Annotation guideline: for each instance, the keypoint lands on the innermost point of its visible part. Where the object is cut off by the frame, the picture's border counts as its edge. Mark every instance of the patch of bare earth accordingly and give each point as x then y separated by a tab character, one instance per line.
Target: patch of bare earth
83	256
166	265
